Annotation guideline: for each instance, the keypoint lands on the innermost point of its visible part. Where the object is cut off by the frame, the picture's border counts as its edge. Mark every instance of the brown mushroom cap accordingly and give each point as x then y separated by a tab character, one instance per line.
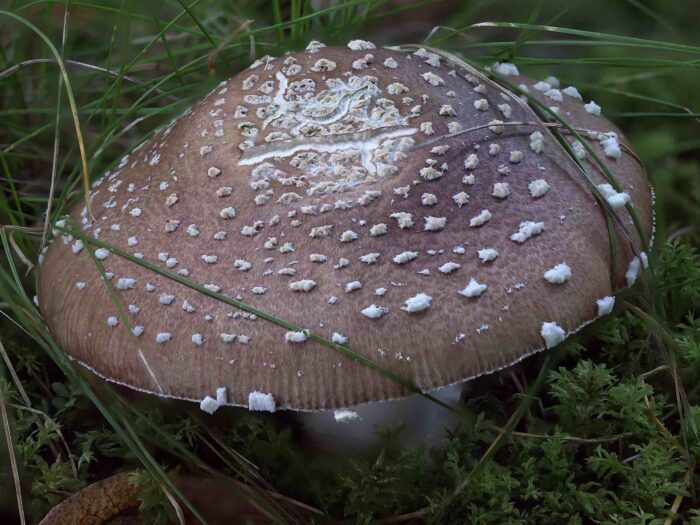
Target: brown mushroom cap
303	186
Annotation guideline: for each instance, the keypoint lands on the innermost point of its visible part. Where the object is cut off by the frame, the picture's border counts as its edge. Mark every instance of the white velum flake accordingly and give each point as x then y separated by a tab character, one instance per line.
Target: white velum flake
538	188
417	303
434	223
633	271
449	267
403	218
552	81
552	333
378	229
460	198
348	236
359	45
645	260
305	285
592	108
428	199
471	162
473	289
242	265
554	94
579	149
295	337
537	142
208	405
228	338
615	199
572	92
339	338
559	274
126	283
505	69
374	312
221	395
481	105
505	109
501	190
352	286
433	79
345	416
369	258
391	63
227	213
611	146
314	46
165	298
482	218
526	230
605	305
261	402
487	254
163	337
405	257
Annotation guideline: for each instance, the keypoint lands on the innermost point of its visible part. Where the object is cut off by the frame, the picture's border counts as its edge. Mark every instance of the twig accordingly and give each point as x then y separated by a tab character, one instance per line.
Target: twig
677	502
575	439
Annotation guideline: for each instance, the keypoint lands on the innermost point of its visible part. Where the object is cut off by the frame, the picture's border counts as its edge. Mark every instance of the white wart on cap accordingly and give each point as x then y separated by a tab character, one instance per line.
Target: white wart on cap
315	187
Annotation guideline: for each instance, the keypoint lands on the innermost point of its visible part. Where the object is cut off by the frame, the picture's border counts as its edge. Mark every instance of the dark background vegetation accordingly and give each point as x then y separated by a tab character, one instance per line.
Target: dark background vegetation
603	430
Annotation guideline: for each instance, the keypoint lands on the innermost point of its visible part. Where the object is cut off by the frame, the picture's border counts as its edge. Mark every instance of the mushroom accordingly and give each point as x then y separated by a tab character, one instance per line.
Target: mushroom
388	200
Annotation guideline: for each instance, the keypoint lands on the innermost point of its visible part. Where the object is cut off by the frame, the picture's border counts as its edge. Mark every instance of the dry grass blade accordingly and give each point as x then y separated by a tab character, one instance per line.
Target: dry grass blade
18	251
56	428
258	486
13	458
226	41
56	138
173	502
82	65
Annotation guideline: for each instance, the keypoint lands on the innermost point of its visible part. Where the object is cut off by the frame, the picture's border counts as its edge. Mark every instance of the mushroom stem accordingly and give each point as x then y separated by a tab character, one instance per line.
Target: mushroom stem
423	422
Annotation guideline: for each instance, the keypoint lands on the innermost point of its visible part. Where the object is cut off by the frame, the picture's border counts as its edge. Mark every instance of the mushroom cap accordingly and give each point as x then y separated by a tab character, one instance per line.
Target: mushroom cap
316	187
